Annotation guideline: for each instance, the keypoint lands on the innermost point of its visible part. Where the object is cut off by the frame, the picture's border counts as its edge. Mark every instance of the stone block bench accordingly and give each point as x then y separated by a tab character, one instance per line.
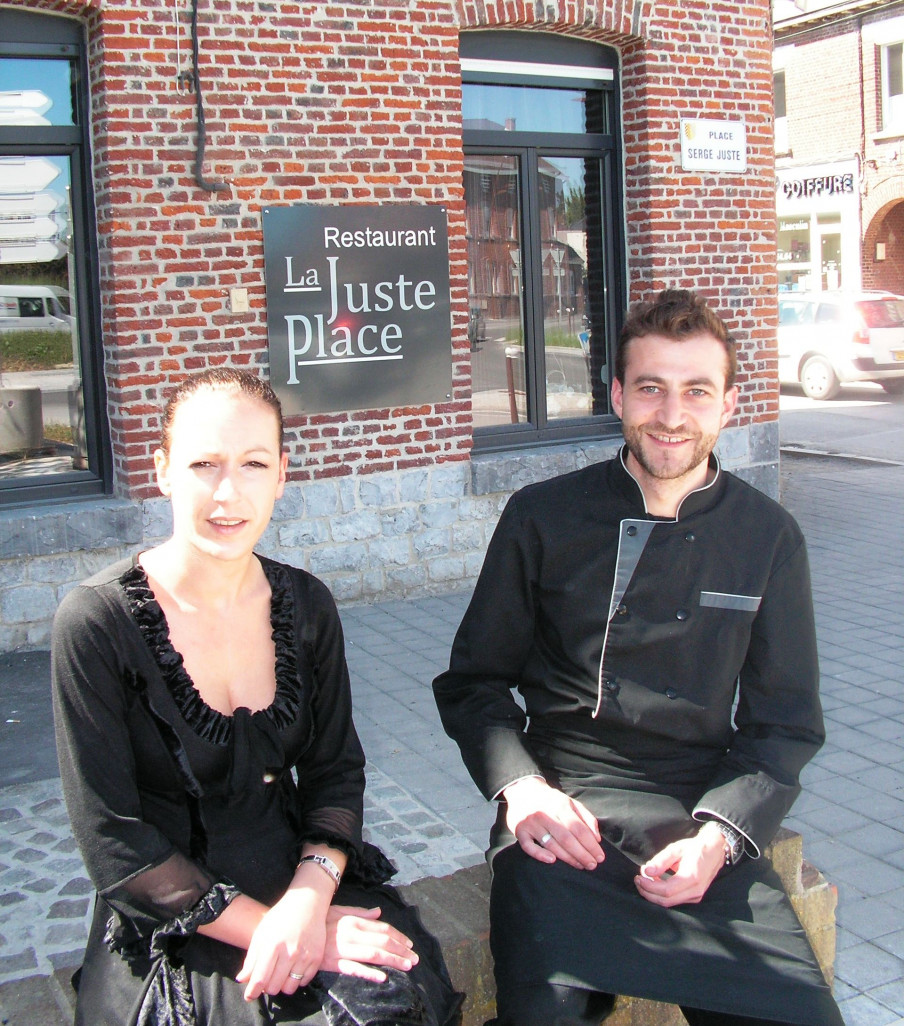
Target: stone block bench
456	909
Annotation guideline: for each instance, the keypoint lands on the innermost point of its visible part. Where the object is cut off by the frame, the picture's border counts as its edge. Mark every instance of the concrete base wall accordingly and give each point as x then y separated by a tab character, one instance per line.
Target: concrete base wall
376	536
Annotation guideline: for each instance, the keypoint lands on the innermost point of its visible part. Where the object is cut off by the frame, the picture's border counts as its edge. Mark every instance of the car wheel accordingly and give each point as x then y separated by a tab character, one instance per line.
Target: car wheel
893	386
818	379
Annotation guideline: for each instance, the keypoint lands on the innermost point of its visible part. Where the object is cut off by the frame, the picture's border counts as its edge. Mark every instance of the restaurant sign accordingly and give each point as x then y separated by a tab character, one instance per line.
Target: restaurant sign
358	313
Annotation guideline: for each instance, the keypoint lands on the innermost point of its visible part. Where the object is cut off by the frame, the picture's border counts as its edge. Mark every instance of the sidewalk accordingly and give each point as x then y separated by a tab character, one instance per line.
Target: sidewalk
424	811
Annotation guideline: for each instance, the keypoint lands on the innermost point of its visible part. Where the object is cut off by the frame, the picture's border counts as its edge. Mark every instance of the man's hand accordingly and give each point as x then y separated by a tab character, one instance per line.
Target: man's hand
692	865
549	825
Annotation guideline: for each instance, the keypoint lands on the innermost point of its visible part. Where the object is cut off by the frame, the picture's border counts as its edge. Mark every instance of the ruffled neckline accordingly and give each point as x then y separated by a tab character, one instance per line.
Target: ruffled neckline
208	723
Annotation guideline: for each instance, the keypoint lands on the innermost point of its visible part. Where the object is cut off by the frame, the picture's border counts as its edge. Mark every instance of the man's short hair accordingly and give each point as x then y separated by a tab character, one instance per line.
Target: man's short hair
675	314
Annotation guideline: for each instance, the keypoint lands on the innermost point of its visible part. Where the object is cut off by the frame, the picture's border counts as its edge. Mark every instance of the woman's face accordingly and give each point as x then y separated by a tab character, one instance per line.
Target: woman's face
223	472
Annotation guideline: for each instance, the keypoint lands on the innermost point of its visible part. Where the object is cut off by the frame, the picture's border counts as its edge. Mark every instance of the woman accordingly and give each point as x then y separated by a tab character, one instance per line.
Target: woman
211	769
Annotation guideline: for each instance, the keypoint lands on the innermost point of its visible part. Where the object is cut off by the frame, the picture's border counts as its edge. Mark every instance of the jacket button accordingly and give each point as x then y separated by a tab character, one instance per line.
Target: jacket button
631	531
621	609
611	686
671	693
681	614
690	536
269	778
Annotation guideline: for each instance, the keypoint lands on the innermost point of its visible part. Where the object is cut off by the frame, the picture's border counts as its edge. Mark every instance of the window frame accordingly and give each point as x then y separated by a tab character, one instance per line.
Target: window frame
891	122
780	106
485	56
33	35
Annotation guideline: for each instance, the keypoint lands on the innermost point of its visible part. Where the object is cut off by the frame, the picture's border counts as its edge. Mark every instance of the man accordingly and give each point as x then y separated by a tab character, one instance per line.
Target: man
654	613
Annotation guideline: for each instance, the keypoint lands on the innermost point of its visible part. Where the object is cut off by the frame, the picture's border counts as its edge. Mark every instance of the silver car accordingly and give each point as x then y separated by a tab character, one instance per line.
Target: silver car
826	339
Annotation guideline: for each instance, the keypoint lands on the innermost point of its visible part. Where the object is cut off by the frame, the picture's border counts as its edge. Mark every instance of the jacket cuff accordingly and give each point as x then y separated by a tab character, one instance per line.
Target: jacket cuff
704	815
497	797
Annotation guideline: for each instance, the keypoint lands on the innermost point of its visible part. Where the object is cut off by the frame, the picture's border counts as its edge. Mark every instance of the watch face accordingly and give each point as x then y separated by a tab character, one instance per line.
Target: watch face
734	842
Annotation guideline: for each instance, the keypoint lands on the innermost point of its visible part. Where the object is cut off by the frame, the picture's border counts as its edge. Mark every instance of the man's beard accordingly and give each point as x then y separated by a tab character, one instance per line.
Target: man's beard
668	469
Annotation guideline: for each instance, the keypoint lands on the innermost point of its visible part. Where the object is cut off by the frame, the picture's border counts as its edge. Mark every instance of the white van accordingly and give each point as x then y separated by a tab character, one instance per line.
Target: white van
34	307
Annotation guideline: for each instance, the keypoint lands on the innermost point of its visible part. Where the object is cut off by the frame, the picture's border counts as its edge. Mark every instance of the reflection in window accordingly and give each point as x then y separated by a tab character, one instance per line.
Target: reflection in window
42	423
532	109
41	429
542	242
571	270
564	217
495	325
34	91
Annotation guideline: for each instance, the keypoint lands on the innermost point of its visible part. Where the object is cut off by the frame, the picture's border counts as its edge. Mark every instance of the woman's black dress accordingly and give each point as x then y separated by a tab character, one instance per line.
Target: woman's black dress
177	808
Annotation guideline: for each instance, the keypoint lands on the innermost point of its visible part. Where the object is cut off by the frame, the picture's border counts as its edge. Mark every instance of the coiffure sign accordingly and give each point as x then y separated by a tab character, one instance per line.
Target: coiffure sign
358	310
818	185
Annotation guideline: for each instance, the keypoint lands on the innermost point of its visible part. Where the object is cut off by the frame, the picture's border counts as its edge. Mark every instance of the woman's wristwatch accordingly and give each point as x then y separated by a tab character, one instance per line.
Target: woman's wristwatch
326	864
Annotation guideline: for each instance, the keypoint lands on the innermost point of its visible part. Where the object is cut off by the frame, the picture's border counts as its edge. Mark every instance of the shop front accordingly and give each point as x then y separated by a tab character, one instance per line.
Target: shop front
818	208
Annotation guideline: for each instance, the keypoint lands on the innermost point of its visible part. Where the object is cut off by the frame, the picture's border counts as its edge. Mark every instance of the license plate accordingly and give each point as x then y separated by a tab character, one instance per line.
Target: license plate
898	355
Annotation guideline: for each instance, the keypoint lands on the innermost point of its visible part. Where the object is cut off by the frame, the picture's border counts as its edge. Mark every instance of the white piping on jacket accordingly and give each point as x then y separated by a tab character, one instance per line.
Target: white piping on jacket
614	597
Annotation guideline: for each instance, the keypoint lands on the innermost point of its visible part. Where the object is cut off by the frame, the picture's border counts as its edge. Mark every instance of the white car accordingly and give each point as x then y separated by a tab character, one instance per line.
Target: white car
826	339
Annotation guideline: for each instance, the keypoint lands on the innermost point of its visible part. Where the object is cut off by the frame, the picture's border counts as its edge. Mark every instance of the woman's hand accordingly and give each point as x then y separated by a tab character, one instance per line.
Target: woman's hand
304	932
290	939
357	942
293	939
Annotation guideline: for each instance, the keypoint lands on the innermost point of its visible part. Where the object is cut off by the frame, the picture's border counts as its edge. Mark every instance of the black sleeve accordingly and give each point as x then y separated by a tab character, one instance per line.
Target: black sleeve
778	720
331	771
134	867
474	696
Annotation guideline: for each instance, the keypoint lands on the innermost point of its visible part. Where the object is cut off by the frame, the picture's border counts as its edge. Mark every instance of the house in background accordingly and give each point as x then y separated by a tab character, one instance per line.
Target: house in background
839	144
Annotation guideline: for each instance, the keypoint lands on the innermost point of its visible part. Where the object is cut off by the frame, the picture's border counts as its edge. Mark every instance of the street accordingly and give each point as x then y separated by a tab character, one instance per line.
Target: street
863	421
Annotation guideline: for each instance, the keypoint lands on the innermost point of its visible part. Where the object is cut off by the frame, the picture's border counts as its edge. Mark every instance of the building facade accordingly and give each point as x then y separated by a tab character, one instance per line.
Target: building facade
839	144
422	220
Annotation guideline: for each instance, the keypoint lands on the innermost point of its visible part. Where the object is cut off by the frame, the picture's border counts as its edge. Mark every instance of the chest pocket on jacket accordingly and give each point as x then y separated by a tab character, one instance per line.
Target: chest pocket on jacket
724	600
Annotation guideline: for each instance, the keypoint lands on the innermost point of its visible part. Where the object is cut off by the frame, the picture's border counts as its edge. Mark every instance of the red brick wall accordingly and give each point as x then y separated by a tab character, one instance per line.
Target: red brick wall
713	232
351	102
822	85
888	273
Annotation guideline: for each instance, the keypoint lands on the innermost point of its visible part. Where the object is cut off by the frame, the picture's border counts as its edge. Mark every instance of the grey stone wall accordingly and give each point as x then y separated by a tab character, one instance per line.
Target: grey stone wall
390	535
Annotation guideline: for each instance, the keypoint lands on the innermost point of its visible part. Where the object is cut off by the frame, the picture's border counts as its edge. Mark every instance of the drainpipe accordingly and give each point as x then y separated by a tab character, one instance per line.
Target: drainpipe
204	183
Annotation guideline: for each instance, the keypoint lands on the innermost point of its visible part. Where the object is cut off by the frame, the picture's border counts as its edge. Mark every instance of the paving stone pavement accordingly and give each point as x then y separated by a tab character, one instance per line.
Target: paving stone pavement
423	810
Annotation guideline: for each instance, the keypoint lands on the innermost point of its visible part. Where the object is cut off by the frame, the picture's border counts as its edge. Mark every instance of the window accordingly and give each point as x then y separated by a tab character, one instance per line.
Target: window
794	265
893	87
781	113
545	264
793	312
51	398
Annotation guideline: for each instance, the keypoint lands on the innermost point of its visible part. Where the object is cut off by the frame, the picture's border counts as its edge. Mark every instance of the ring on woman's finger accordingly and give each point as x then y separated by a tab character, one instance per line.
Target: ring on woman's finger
296	976
544	840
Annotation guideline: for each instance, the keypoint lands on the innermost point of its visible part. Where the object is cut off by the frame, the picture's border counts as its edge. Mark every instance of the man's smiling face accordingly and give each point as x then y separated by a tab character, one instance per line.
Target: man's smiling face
673	403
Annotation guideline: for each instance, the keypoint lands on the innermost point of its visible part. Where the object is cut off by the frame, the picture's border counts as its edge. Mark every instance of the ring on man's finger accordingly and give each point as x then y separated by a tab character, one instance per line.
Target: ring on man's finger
544	840
296	976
